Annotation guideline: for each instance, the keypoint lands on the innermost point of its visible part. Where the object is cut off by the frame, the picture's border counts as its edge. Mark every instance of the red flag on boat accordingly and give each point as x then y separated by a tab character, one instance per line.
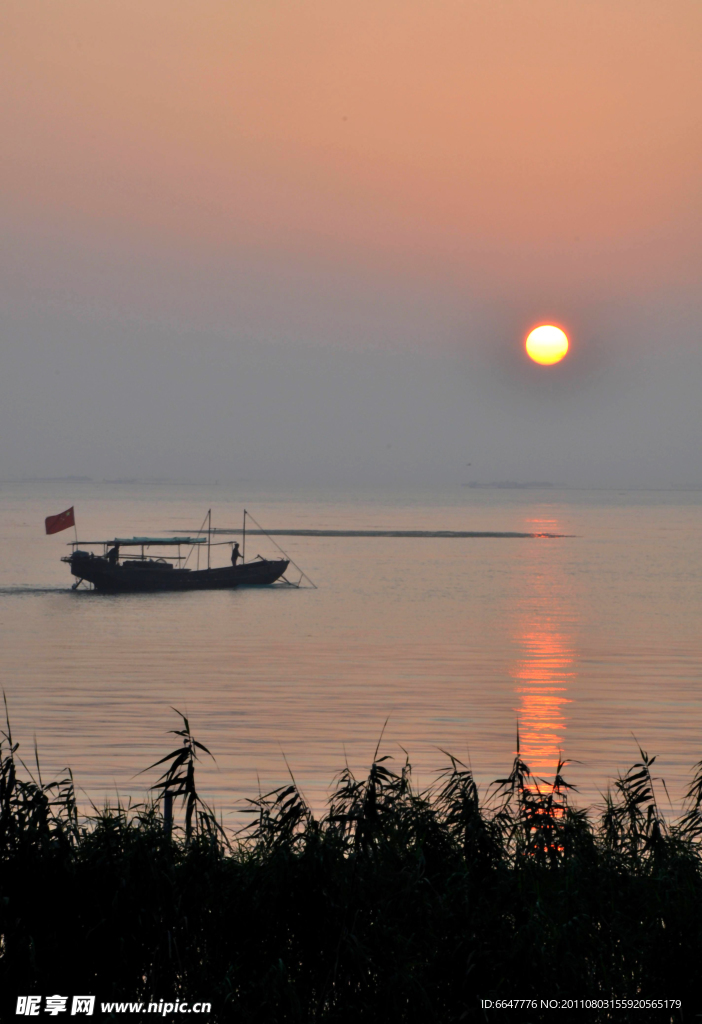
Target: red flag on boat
64	520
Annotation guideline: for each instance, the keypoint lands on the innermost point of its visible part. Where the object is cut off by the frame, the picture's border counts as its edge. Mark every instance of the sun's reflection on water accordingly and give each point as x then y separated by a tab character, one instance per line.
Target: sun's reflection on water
541	685
543	673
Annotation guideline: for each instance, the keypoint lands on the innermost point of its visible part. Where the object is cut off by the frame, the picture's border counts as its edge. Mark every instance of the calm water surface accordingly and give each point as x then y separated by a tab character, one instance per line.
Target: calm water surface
587	642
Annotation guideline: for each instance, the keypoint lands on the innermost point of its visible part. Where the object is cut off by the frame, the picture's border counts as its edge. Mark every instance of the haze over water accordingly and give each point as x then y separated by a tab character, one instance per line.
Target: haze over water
584	640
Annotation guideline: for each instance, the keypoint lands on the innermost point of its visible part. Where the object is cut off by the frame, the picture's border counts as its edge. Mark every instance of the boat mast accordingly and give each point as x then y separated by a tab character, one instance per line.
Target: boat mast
243	543
209	534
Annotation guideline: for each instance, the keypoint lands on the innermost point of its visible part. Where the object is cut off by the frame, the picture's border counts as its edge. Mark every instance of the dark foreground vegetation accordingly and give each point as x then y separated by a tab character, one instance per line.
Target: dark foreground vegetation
396	906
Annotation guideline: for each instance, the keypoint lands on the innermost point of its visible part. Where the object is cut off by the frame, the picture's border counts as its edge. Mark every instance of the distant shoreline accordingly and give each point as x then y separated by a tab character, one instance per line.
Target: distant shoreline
499	485
450	534
506	485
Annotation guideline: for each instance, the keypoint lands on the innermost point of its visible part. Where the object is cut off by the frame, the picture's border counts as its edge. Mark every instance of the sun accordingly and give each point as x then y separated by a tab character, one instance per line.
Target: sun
547	344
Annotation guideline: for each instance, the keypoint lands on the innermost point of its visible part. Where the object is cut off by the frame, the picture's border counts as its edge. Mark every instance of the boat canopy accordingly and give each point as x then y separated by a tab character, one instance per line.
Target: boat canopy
138	542
125	542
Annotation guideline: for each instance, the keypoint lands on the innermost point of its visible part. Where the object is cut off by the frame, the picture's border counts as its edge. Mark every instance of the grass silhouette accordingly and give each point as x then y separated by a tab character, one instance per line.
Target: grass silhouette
397	905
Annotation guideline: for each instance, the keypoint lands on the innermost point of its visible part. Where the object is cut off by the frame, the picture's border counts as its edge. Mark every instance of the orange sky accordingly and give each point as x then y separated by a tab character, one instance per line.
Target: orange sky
350	215
511	146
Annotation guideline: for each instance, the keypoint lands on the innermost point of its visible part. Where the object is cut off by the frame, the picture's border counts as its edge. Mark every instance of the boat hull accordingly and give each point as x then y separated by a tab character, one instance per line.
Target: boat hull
148	577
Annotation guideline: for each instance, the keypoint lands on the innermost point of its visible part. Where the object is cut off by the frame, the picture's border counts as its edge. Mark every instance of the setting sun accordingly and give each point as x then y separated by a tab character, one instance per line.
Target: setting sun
547	344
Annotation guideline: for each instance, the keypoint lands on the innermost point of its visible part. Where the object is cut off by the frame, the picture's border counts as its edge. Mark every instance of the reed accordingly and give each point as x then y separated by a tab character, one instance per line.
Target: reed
397	905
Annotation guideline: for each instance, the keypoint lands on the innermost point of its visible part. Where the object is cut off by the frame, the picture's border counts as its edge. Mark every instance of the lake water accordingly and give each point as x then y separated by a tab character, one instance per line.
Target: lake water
586	641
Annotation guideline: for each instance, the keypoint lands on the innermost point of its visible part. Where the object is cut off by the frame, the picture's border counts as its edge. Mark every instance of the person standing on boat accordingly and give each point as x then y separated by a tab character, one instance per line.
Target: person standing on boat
113	555
235	553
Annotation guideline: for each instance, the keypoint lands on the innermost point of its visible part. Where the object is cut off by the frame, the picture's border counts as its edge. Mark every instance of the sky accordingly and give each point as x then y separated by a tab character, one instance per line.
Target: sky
303	240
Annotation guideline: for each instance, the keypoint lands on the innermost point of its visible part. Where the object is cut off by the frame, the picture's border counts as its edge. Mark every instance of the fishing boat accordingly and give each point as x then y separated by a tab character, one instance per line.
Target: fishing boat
116	571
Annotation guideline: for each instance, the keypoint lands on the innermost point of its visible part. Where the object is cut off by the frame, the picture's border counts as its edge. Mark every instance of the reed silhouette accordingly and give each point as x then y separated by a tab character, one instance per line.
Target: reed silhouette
397	905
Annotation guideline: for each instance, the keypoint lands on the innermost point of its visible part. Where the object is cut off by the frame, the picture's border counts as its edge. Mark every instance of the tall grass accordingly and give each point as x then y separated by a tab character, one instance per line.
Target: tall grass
397	905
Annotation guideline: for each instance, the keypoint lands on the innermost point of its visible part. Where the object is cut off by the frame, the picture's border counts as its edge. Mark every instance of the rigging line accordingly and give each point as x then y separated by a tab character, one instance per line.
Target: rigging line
201	530
303	575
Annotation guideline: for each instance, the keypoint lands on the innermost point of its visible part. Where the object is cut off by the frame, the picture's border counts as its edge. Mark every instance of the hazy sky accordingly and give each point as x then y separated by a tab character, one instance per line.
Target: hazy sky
305	240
